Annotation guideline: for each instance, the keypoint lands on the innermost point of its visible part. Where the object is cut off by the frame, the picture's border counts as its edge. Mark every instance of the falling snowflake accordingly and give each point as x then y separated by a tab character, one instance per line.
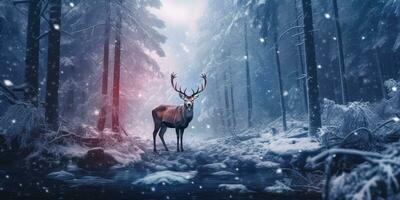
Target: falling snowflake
327	15
396	119
363	37
319	66
8	82
208	126
279	171
56	26
71	4
285	93
394	89
96	112
262	40
13	121
334	38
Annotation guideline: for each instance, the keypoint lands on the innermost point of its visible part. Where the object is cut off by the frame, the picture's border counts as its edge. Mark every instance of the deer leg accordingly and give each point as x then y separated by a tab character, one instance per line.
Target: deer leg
181	137
156	128
161	134
177	139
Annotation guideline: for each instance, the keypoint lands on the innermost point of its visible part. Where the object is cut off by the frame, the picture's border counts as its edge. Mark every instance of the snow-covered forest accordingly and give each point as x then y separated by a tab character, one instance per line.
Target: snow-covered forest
269	99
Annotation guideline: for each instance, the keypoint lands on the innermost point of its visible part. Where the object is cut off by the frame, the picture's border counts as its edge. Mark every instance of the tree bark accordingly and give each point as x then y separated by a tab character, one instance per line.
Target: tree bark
232	99
342	67
380	75
274	32
53	64
226	97
32	53
221	109
301	61
248	82
117	69
103	111
282	97
314	115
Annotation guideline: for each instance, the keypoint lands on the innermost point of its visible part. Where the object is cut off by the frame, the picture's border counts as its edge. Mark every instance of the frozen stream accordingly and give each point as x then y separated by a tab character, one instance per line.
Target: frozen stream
253	167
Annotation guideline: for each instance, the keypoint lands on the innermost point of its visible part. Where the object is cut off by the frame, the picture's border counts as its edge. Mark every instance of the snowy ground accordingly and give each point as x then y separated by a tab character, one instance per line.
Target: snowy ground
251	166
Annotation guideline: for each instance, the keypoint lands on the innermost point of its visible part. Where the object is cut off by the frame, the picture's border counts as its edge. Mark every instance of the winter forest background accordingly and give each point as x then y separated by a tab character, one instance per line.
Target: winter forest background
301	92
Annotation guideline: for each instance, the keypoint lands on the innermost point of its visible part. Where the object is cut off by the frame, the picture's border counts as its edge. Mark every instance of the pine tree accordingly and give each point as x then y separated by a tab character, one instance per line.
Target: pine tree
226	98
103	111
248	81
301	61
53	64
117	69
342	67
32	52
232	98
314	115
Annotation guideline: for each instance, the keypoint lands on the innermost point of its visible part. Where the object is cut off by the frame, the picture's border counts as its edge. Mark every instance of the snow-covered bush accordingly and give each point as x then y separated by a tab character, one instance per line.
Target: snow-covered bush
393	87
295	100
370	180
20	124
332	113
358	115
390	106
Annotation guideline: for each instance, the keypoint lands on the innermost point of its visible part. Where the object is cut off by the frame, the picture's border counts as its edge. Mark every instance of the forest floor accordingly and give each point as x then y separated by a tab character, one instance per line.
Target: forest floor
249	166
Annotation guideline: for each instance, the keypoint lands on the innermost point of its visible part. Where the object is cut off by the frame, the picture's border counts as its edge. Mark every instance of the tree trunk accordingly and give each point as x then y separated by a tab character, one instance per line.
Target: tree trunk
226	97
380	75
301	61
103	111
117	69
232	99
282	97
32	53
248	82
314	114
221	109
274	32
53	64
342	67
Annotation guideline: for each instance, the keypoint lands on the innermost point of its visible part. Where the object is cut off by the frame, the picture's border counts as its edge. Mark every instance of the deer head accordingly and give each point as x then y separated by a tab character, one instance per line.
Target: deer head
188	100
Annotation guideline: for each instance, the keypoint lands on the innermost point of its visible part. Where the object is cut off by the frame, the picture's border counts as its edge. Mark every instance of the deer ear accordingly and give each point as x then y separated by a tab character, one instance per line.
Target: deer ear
196	96
182	96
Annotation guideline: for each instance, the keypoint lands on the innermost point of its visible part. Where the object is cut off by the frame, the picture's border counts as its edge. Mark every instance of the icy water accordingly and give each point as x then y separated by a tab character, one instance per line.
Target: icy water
20	184
76	183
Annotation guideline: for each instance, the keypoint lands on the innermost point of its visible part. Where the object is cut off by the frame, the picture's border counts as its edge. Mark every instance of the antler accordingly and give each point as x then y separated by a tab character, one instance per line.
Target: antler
175	86
201	87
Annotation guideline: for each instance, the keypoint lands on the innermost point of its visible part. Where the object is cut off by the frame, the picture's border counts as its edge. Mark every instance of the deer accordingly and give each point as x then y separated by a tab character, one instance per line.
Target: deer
178	117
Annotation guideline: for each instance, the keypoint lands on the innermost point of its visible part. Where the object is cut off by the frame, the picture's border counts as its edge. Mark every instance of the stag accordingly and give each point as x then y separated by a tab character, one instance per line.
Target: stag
178	117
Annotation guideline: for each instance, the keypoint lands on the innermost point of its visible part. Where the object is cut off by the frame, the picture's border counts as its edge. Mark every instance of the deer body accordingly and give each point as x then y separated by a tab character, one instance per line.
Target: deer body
178	117
173	116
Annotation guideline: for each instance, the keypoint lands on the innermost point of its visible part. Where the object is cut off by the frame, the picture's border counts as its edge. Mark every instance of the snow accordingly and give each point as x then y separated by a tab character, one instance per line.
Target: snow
239	188
278	187
89	181
61	175
267	165
223	173
166	177
212	167
292	145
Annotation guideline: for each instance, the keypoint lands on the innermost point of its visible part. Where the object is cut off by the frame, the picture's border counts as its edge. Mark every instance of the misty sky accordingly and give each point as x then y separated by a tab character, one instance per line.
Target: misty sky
180	17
